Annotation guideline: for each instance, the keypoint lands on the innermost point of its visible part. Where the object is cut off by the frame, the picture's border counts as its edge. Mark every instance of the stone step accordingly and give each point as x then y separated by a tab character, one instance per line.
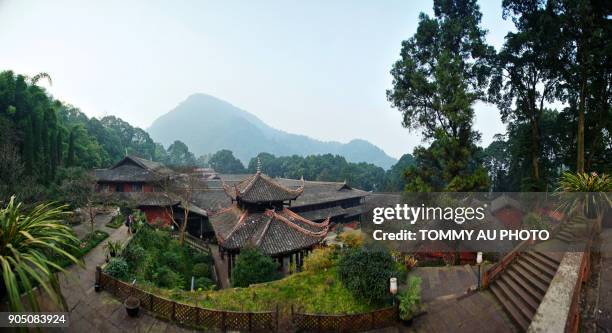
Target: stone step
544	260
543	268
519	291
510	308
533	287
553	256
534	272
566	234
564	239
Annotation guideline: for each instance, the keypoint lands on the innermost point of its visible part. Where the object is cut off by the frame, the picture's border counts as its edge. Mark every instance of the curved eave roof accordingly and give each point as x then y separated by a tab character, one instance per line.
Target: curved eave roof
272	232
261	188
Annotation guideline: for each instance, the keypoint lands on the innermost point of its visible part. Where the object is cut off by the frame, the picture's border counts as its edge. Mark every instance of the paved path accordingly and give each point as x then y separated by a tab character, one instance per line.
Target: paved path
604	303
92	312
445	282
100	221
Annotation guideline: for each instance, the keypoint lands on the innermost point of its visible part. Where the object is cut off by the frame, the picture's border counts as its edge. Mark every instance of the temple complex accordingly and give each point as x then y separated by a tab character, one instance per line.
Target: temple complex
285	218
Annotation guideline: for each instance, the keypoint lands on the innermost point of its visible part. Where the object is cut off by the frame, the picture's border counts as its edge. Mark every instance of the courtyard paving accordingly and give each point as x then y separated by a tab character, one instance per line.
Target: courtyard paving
93	312
445	282
604	303
100	221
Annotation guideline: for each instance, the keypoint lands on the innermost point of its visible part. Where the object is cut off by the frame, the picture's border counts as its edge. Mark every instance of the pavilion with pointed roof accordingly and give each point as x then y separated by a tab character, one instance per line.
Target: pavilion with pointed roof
259	216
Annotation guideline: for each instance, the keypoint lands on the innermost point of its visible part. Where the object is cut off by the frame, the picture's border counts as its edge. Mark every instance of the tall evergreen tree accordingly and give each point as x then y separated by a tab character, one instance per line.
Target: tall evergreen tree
442	72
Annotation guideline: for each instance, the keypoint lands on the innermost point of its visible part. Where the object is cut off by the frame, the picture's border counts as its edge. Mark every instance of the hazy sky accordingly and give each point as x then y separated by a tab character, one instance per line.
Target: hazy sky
318	68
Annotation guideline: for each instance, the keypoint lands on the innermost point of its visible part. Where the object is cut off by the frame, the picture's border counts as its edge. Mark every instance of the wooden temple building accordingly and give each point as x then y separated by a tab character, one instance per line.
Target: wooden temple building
259	217
283	217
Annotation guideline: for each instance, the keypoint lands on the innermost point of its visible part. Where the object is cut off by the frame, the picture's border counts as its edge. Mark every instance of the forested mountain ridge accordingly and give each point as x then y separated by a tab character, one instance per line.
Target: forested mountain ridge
208	124
47	148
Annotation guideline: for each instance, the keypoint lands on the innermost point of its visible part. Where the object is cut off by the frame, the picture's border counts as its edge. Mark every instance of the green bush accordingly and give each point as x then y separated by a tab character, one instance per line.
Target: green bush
167	278
402	271
134	255
150	238
172	260
319	260
410	298
365	272
253	266
202	258
117	268
116	222
201	270
204	283
533	221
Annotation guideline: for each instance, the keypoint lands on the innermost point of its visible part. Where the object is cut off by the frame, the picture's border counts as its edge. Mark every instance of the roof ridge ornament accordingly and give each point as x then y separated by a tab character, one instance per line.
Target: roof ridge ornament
258	165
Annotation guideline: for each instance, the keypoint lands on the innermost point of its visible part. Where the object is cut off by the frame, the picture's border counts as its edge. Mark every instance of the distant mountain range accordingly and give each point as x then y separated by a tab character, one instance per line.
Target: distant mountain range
207	124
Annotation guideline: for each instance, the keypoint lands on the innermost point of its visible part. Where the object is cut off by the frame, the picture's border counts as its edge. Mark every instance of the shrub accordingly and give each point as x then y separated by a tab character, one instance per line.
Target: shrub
365	272
352	238
117	268
533	221
401	270
172	260
113	248
584	193
410	298
410	262
134	255
167	278
201	270
319	260
150	238
202	258
253	266
204	283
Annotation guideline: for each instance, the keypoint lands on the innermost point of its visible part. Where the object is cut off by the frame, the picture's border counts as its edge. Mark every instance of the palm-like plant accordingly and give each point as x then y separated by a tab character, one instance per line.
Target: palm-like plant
113	247
585	193
31	244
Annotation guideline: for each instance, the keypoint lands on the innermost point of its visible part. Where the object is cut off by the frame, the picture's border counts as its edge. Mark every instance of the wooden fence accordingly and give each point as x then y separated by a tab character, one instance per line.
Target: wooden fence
308	322
188	315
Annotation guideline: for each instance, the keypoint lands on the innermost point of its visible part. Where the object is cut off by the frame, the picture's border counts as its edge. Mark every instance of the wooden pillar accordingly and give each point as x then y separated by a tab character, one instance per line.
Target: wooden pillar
229	265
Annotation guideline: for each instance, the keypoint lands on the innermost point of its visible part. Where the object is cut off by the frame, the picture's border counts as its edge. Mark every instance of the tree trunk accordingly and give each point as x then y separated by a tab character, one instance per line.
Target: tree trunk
580	135
535	149
183	226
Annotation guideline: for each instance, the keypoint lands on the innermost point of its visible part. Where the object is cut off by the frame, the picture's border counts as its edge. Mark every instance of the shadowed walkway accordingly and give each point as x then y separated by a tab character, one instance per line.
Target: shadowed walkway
92	312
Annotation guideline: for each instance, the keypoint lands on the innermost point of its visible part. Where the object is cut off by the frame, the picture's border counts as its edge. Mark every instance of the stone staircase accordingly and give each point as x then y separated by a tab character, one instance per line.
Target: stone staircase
521	287
569	230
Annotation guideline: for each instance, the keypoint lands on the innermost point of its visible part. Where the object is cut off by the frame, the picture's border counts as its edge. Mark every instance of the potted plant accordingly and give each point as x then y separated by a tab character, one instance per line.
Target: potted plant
132	306
113	248
410	300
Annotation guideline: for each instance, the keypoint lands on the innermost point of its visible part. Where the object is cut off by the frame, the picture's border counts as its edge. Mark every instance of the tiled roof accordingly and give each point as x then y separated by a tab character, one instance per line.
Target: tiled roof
323	213
133	169
315	192
261	188
274	232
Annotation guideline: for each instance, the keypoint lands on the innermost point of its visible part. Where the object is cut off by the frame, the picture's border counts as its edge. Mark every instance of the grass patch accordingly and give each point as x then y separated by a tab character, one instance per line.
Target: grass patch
116	222
313	292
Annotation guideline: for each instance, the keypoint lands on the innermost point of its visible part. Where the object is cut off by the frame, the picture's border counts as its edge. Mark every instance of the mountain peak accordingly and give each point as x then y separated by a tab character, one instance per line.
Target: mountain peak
207	124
